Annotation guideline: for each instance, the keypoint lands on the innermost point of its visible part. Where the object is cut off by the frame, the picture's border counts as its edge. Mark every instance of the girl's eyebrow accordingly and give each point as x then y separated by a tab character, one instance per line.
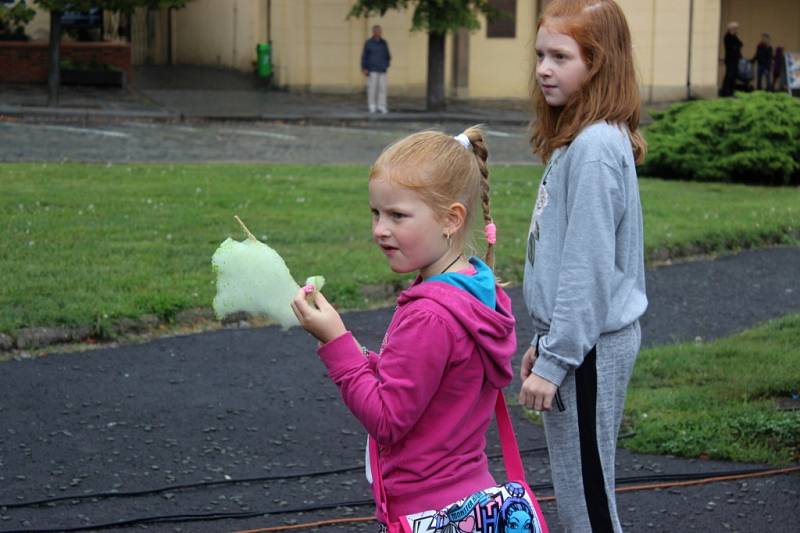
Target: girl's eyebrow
395	205
554	49
385	208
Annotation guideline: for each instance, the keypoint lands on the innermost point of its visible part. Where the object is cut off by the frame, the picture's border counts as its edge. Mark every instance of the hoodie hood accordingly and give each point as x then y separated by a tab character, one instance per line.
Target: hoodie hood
481	284
492	328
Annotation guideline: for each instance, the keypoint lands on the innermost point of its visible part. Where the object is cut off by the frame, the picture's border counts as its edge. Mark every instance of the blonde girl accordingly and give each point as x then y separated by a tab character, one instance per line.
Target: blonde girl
584	283
427	396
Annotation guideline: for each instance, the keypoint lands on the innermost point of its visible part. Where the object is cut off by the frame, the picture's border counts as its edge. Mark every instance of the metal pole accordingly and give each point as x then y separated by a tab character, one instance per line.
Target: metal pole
269	22
689	53
169	36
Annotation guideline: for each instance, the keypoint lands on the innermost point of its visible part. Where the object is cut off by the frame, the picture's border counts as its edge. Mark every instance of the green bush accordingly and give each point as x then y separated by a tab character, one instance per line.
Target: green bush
752	138
13	19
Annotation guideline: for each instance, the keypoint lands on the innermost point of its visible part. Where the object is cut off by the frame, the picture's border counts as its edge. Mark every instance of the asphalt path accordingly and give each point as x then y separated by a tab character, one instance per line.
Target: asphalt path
132	141
255	404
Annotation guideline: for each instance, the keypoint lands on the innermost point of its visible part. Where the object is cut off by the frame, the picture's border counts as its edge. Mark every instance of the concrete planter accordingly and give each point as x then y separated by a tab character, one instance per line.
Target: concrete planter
27	62
15	37
108	78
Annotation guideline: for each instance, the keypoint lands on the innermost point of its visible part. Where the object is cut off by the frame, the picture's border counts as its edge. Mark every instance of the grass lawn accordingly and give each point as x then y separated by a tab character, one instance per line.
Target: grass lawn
718	399
85	243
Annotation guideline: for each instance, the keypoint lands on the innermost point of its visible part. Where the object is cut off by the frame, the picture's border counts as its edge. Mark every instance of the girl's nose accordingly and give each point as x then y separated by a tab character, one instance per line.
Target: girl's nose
543	69
379	229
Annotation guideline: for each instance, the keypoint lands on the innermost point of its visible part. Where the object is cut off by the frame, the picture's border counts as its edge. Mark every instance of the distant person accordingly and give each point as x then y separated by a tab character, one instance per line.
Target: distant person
763	60
779	70
733	53
375	61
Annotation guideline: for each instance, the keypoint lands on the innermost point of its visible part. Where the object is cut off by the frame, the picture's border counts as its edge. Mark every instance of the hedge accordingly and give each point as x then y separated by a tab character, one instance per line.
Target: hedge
751	138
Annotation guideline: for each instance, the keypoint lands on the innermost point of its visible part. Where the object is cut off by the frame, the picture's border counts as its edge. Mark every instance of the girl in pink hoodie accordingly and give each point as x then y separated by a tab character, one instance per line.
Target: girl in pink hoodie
428	395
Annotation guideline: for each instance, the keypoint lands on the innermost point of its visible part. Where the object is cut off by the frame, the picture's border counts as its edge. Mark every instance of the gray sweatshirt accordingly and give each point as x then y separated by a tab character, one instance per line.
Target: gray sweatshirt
584	273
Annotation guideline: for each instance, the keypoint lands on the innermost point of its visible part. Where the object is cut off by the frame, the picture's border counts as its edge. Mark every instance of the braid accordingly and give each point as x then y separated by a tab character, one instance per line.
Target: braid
481	152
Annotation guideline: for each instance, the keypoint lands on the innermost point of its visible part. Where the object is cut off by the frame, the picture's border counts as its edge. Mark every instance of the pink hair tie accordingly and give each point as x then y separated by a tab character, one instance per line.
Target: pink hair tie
491	233
308	289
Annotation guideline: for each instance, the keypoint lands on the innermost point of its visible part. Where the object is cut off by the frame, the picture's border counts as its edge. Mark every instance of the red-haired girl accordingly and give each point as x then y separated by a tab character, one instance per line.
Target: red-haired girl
584	283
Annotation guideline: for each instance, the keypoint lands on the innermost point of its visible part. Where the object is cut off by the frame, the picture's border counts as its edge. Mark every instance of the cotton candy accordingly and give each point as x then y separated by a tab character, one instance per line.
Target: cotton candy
254	278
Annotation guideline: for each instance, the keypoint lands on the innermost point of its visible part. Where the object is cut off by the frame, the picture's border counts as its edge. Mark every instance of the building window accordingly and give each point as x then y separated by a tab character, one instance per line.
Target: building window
504	26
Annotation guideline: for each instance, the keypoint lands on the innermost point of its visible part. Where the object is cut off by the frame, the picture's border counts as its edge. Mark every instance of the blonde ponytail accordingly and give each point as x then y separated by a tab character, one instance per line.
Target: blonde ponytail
481	151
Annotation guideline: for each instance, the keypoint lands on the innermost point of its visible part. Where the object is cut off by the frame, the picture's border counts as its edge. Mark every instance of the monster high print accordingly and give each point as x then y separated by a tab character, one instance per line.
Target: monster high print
542	201
505	508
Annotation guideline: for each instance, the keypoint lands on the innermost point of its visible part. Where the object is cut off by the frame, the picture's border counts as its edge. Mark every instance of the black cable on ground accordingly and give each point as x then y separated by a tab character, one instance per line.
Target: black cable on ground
165	519
204	484
671	478
170	488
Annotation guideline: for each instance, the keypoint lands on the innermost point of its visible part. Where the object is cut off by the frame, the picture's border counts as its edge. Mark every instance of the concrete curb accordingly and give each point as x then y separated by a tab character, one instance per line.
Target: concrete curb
35	338
395	117
83	113
322	119
87	114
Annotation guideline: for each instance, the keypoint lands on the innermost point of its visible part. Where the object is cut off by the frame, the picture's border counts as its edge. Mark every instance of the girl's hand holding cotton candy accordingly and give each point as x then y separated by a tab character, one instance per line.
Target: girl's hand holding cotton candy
252	277
318	317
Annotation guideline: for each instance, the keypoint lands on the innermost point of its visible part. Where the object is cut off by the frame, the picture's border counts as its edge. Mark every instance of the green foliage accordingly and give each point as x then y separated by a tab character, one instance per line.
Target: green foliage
718	399
435	16
752	138
164	305
13	19
82	241
748	433
772	430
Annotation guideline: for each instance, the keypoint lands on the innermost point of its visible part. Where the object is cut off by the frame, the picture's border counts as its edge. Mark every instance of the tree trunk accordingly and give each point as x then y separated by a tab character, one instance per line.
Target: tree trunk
54	57
435	96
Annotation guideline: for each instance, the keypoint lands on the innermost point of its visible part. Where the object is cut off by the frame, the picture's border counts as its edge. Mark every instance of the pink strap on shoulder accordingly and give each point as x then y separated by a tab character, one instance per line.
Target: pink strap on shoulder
508	441
378	492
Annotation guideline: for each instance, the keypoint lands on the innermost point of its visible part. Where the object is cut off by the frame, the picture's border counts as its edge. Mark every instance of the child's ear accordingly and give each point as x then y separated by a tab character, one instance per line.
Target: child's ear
456	217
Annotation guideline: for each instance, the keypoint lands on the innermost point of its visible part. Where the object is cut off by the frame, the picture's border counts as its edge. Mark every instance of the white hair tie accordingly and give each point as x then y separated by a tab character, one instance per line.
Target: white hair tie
464	140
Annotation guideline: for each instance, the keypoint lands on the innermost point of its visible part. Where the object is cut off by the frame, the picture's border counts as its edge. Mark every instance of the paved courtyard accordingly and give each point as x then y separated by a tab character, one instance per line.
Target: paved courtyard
202	141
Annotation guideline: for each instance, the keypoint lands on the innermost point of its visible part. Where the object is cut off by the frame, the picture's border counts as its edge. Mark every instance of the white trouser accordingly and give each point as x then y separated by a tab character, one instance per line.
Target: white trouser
376	92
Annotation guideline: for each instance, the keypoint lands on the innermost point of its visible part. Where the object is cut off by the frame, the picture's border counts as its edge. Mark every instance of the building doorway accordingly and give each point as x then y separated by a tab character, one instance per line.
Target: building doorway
779	18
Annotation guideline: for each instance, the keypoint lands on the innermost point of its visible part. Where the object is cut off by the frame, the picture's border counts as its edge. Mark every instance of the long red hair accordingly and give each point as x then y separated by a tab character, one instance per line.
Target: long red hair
610	92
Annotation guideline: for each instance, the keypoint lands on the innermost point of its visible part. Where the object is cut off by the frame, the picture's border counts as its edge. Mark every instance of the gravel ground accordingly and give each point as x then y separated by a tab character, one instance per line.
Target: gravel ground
240	404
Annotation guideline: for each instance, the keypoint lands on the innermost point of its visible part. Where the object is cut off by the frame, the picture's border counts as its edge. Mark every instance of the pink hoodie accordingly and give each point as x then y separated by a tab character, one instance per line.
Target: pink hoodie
428	398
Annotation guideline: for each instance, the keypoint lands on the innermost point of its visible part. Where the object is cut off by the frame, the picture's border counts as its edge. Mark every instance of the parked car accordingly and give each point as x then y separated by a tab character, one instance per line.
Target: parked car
83	19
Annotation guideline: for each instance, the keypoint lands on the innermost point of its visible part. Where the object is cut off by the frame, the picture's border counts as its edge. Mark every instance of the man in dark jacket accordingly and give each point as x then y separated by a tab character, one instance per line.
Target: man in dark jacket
763	59
375	61
733	53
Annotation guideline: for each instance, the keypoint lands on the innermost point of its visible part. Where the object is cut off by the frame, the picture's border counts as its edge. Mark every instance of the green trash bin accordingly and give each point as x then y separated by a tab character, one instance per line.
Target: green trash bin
264	59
